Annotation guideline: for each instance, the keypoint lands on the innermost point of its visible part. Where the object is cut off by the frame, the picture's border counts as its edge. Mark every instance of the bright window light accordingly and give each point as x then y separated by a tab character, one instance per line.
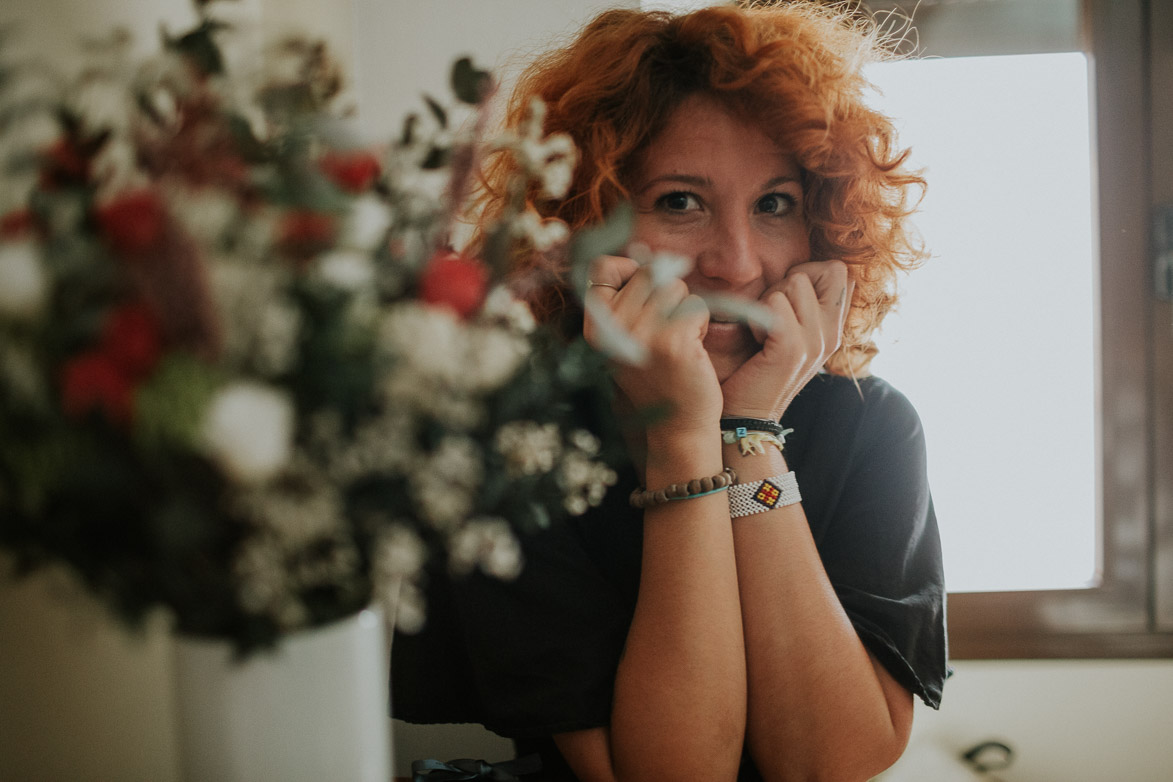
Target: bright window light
994	341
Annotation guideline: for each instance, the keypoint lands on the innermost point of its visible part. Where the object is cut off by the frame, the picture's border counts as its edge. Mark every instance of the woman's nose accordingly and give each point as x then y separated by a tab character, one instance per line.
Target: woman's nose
728	253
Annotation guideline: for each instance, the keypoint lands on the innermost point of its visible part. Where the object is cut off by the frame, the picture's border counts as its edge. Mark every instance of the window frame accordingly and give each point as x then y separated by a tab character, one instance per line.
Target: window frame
1129	614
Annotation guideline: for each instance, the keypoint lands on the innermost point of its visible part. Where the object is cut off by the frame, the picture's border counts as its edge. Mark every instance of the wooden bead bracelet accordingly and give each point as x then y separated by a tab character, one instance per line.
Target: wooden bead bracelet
697	487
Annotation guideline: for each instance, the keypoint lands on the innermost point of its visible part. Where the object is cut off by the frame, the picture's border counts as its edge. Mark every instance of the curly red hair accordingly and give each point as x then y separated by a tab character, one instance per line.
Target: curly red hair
795	70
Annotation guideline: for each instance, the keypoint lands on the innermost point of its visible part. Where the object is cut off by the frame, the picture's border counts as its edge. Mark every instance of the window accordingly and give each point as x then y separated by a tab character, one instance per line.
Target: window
1111	510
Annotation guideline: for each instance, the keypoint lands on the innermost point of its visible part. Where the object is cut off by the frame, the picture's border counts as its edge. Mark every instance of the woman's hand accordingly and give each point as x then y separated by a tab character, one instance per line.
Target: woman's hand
671	324
809	308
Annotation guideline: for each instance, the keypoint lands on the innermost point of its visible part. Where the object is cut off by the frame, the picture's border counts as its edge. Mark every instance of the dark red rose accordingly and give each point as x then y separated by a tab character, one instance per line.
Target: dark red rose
453	281
134	223
354	172
304	233
92	381
132	340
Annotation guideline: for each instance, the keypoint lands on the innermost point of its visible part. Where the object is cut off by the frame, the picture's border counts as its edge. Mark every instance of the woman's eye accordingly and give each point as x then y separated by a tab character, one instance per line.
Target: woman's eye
678	202
776	203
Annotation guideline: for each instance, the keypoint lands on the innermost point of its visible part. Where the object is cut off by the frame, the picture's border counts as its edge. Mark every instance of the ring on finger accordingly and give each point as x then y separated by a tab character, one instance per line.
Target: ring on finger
593	284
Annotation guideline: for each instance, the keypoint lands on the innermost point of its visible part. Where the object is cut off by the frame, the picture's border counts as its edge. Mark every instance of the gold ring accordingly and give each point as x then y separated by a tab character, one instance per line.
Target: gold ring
593	284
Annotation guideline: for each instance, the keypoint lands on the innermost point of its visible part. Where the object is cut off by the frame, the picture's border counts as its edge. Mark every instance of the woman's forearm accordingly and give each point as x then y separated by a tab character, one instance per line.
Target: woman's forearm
818	707
680	693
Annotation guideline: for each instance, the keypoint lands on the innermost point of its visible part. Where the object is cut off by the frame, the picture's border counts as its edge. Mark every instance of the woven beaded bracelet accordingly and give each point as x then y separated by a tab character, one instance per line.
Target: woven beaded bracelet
746	499
697	487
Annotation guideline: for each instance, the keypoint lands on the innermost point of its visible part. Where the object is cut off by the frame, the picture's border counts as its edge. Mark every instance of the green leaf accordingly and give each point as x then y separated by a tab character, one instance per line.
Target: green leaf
470	85
437	158
169	407
408	136
437	111
199	47
605	239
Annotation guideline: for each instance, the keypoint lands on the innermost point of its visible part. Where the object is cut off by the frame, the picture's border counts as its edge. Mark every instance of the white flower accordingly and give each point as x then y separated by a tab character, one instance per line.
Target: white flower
407	607
544	234
366	225
492	356
277	330
23	284
445	483
487	543
400	553
501	303
248	429
346	270
528	447
205	213
426	339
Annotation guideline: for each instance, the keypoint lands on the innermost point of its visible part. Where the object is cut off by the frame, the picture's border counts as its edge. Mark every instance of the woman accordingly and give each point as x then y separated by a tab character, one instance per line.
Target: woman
718	632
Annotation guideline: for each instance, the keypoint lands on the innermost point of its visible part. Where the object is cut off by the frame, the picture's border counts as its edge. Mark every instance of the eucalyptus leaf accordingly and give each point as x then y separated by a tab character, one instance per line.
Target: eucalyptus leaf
614	340
605	239
749	312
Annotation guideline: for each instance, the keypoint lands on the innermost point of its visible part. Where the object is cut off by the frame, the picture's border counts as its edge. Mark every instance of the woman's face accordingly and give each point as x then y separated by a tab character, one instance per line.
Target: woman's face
719	191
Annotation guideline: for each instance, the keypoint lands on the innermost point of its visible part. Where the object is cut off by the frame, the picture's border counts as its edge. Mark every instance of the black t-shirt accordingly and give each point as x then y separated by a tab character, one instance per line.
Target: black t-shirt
538	655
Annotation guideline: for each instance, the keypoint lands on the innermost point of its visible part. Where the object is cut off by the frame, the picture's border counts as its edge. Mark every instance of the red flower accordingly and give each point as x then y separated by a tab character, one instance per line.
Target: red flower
354	172
304	233
92	381
450	280
16	224
131	340
133	223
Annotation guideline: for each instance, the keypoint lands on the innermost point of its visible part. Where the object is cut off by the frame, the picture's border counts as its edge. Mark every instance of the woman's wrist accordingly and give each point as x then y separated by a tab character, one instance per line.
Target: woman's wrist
754	466
675	455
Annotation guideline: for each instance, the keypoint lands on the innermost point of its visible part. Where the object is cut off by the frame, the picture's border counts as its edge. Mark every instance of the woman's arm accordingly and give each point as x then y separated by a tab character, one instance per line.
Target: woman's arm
680	691
679	705
820	707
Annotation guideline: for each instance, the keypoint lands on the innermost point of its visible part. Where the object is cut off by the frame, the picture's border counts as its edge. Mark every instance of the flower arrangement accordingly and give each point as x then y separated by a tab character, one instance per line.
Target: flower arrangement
242	376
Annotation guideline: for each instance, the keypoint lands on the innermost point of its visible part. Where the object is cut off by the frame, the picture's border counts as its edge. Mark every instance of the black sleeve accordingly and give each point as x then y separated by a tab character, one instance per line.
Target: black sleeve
545	647
877	534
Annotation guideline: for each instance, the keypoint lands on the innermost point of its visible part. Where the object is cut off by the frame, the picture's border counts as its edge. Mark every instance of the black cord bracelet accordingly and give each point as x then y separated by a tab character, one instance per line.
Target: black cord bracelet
751	425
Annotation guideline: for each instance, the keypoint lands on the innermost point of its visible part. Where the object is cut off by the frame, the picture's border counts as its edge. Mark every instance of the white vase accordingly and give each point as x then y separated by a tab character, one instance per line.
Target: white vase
313	709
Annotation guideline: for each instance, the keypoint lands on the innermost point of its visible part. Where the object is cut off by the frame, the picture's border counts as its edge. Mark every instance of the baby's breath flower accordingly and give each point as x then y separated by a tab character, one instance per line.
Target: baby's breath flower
529	448
502	304
487	543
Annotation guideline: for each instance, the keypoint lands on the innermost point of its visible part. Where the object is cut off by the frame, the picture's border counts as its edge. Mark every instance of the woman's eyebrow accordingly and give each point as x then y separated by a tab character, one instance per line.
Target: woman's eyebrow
779	180
703	182
678	179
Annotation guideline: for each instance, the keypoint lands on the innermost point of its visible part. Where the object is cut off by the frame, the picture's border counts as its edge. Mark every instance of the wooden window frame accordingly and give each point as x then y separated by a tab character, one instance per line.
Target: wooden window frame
1129	613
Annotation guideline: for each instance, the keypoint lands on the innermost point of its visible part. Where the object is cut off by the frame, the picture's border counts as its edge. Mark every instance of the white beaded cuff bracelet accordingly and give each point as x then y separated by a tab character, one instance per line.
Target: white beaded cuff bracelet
746	499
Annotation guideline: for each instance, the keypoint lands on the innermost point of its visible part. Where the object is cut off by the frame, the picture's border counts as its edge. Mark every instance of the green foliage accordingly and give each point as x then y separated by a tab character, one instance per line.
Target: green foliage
169	406
469	84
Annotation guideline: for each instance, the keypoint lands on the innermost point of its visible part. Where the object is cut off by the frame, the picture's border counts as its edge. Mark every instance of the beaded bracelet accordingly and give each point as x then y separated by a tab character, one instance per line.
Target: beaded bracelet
752	425
746	499
697	487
